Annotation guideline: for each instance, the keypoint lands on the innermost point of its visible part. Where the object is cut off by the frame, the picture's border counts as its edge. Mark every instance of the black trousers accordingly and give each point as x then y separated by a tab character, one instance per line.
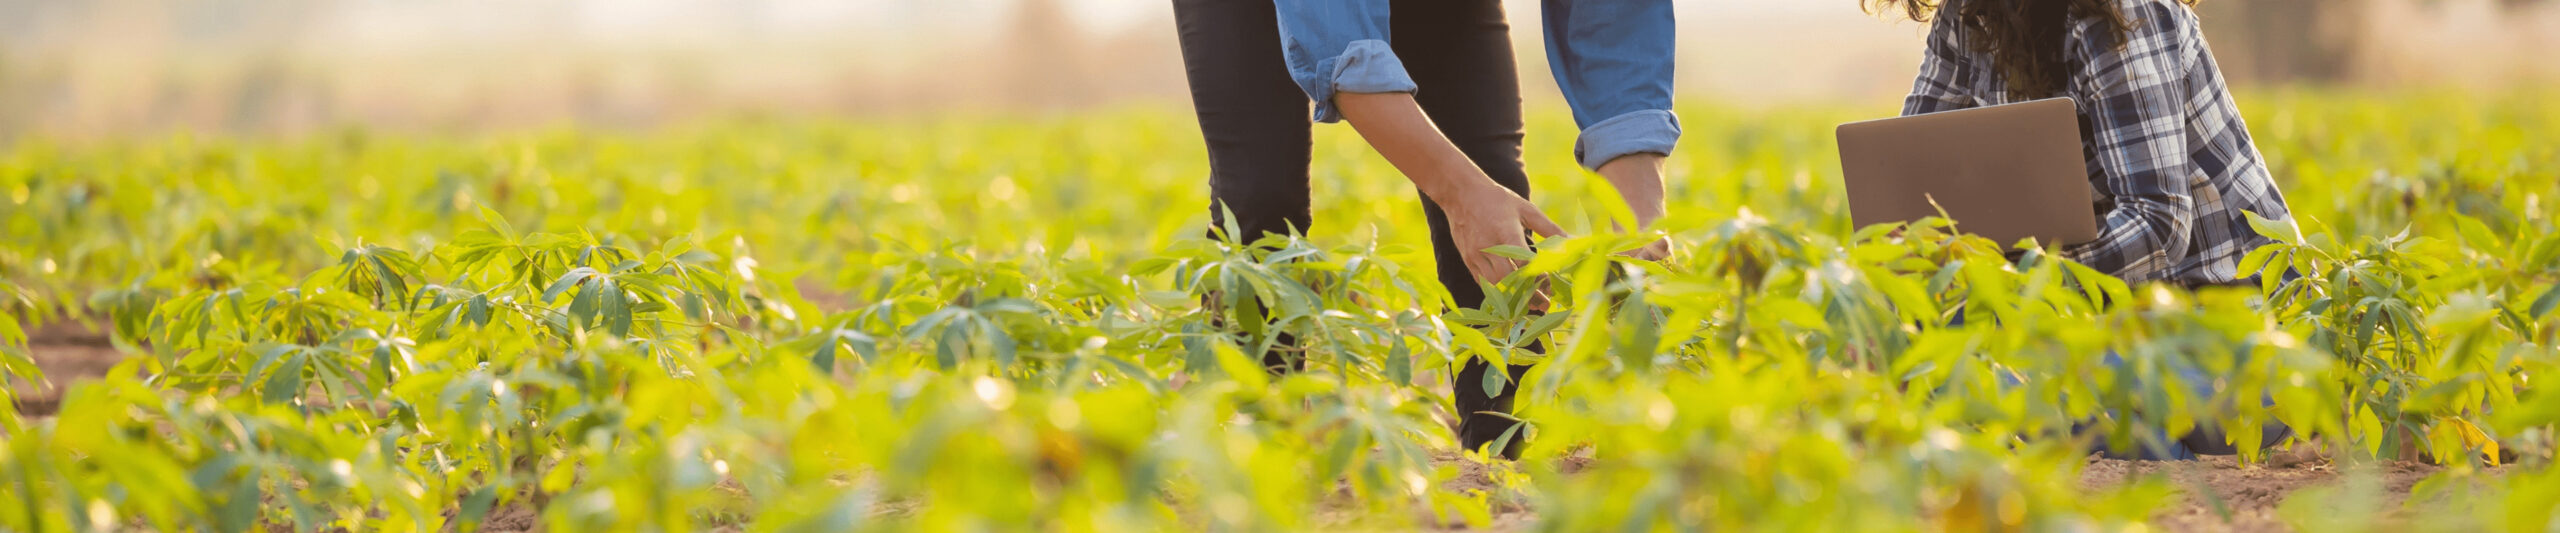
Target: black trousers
1256	121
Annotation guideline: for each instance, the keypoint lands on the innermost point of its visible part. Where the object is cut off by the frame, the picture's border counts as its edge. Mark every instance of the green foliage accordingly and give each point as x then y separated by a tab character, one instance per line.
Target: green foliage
826	327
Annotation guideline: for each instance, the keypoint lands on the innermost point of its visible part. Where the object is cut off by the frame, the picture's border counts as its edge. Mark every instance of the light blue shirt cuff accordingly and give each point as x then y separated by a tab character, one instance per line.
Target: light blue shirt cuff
1652	131
1366	66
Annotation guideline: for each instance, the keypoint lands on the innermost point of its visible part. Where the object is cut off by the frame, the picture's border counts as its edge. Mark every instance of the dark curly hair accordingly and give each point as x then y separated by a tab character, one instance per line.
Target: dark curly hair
2025	37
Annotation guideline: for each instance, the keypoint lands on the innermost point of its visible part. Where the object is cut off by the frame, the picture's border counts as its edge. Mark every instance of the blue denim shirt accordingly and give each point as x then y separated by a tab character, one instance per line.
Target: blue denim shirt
1612	58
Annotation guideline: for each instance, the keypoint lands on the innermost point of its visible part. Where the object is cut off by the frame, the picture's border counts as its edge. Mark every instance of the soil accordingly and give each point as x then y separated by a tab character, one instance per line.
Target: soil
513	517
67	352
2219	494
2215	494
1509	512
825	297
2249	495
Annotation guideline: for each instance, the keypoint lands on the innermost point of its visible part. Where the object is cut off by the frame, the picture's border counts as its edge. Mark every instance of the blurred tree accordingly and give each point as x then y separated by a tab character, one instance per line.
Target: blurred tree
2298	41
274	83
2286	41
1043	67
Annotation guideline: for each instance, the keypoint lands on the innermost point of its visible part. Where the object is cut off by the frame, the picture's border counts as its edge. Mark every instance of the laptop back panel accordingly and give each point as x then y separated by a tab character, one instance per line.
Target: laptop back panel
2004	172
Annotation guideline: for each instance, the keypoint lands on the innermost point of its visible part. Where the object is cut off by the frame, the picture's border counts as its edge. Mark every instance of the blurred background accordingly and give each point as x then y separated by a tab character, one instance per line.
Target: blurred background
92	68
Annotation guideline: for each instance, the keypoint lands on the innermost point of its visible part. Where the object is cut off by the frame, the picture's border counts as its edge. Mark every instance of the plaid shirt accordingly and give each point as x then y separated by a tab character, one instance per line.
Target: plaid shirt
2171	166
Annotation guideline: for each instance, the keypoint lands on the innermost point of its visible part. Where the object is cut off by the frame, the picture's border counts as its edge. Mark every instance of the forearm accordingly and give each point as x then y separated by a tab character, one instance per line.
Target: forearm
1481	214
2138	239
1638	178
1394	124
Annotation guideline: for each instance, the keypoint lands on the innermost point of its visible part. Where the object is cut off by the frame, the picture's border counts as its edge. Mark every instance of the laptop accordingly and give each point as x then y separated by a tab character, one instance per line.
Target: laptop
2005	172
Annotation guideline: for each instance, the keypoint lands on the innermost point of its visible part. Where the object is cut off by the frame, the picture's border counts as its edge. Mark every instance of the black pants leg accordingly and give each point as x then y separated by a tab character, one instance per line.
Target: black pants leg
1255	121
1254	118
1459	53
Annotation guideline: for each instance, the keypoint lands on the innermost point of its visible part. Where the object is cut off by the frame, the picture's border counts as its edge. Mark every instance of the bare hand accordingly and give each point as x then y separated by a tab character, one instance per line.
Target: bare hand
1659	250
1638	179
1490	216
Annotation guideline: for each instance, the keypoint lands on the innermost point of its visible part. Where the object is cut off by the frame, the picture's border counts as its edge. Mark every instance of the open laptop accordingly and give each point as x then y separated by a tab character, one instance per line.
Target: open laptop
2005	172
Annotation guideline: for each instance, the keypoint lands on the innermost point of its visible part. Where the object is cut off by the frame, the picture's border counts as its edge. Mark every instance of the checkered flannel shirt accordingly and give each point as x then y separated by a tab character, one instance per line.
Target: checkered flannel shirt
2171	166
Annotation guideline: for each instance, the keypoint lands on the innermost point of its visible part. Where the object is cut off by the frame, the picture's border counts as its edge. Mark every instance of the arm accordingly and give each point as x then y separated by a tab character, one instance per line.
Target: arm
1337	52
1638	178
1613	61
1482	214
2137	121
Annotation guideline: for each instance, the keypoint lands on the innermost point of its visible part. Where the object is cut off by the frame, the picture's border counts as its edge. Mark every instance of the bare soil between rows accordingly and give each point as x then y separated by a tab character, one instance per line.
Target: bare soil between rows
2220	494
2215	494
67	352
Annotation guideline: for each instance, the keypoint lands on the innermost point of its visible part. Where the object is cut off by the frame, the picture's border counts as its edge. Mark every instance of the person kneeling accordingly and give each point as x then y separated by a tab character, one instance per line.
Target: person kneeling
2171	164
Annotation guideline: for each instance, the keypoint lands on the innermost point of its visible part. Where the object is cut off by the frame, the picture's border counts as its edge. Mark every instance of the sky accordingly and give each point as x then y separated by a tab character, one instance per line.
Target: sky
67	64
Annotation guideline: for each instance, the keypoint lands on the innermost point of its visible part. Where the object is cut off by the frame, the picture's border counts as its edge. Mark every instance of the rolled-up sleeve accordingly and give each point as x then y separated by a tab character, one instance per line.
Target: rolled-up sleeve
1613	61
1339	46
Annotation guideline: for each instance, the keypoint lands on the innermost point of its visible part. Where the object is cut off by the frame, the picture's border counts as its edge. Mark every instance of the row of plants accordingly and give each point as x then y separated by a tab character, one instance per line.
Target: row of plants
831	327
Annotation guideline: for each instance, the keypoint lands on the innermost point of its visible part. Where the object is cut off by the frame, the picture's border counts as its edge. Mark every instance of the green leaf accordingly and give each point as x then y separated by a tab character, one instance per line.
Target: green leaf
2477	234
1544	323
2281	230
947	353
825	358
1292	253
1495	299
566	282
239	507
1474	341
998	341
10	334
1798	313
932	322
1244	370
1399	363
1637	338
1469	316
1227	218
1197	356
863	345
2367	429
286	383
2372	320
497	222
2543	305
1946	277
584	307
475	506
1513	251
1249	316
1908	298
478	315
1502	445
268	355
2257	259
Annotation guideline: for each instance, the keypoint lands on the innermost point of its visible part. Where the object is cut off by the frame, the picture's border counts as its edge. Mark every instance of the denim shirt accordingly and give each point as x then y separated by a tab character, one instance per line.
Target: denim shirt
1612	58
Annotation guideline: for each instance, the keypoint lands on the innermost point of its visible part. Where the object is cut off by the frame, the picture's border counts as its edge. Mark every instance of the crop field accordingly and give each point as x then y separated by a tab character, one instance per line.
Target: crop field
1000	324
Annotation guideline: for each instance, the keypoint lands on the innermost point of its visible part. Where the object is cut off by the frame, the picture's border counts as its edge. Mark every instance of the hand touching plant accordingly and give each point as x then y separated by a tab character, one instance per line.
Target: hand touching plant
1482	214
1638	178
1489	216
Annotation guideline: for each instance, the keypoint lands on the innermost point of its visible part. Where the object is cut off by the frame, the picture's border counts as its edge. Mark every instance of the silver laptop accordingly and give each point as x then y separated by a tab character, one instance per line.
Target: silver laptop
2005	172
